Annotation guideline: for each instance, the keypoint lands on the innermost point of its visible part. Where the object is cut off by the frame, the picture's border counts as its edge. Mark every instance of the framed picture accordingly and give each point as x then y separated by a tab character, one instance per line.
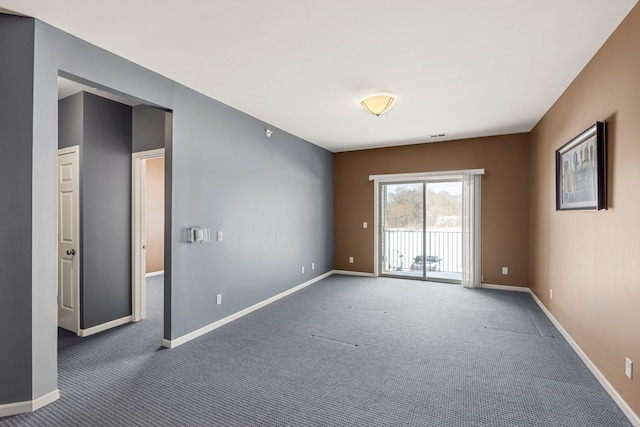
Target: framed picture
581	171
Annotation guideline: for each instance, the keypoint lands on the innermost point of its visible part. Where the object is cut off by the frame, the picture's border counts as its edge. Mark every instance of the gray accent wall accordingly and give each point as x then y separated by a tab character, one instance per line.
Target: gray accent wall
148	128
272	197
16	249
103	130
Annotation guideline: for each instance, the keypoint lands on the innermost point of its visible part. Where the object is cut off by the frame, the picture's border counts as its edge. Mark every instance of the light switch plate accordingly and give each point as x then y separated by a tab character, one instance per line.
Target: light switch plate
364	224
219	236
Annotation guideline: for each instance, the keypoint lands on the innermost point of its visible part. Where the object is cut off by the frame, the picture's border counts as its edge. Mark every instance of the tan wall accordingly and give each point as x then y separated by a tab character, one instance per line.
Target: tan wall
155	215
505	201
591	259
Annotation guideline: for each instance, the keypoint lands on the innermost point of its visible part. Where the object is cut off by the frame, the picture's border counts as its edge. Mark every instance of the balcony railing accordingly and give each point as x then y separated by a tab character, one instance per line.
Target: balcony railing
400	249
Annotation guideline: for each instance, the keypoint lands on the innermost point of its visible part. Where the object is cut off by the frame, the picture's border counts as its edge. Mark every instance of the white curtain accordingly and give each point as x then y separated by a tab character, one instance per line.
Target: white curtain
471	231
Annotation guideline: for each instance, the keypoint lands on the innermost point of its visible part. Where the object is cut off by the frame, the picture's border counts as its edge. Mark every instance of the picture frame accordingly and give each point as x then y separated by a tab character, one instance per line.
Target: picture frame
581	171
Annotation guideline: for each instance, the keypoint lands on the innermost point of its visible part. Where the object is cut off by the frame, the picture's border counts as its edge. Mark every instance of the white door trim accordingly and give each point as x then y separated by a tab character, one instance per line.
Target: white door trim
138	228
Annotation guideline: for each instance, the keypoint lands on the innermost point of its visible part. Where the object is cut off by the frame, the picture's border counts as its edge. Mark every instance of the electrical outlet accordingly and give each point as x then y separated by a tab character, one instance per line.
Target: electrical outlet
313	265
218	299
303	269
350	260
364	224
550	293
628	368
505	270
219	236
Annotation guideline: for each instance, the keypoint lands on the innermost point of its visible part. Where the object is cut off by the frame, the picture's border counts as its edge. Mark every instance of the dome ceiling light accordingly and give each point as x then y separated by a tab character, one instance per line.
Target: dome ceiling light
378	104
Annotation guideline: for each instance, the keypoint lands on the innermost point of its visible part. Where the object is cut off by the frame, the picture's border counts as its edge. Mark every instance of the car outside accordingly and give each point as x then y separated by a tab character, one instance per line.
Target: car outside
430	263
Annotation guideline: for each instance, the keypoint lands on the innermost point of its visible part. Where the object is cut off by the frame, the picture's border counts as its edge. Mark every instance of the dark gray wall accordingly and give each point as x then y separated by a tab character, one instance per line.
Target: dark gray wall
168	222
70	116
272	197
106	211
16	116
148	128
103	129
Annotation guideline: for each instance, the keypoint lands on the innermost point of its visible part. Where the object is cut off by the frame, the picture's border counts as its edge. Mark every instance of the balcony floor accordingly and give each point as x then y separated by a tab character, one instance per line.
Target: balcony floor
436	276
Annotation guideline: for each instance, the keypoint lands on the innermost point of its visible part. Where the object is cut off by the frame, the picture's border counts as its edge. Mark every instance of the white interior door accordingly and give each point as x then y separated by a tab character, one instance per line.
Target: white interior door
68	239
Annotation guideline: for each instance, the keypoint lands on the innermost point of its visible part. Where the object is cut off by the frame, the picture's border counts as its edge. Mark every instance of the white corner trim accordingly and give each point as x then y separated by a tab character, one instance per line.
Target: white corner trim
10	409
210	327
103	327
505	287
353	273
155	273
624	406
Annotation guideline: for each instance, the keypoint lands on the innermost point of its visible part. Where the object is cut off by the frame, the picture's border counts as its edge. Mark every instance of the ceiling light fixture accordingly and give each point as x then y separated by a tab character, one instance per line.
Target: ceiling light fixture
378	104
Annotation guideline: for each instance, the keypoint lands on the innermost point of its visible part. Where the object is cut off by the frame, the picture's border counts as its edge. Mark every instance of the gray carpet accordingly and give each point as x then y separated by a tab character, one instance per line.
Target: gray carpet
347	351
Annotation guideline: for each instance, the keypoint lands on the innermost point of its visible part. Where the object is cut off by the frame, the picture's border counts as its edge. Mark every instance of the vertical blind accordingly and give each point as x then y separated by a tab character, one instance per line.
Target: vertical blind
471	227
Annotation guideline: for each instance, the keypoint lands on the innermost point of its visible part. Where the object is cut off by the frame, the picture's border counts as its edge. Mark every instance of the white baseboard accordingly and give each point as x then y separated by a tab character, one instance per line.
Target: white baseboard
633	417
624	406
353	273
506	287
154	273
205	329
103	327
10	409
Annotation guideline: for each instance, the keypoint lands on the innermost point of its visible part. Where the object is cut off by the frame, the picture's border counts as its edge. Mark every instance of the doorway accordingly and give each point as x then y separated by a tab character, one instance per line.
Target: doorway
108	127
421	229
148	225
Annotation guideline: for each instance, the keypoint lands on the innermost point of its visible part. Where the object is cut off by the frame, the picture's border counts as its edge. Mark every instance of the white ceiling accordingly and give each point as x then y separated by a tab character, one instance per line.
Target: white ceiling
464	68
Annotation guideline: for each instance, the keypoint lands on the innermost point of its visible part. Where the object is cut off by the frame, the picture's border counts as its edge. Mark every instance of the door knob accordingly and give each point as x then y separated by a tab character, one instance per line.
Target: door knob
71	252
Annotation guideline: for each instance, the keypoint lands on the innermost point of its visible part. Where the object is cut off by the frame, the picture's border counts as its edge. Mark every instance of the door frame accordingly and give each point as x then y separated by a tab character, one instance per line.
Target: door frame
397	178
138	234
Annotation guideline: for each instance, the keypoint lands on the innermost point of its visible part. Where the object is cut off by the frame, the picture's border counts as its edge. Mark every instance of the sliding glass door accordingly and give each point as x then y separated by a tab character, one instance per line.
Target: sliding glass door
421	229
402	231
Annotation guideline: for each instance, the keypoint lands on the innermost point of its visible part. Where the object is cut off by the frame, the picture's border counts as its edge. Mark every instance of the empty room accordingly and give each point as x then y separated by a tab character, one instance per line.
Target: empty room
342	213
